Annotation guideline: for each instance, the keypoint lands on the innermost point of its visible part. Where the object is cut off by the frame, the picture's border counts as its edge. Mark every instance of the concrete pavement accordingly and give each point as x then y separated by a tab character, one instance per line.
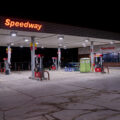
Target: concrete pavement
67	96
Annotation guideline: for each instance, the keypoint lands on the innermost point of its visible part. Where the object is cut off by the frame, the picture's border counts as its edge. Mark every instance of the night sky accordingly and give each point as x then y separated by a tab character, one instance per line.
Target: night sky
97	15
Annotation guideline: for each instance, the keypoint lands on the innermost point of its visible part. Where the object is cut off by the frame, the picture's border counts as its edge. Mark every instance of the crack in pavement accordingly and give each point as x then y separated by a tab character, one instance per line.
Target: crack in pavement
106	108
22	93
56	106
16	107
61	107
104	90
112	115
103	117
48	110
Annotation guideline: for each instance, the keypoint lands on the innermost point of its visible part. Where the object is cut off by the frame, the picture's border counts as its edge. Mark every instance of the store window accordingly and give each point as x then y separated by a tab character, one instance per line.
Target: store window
111	57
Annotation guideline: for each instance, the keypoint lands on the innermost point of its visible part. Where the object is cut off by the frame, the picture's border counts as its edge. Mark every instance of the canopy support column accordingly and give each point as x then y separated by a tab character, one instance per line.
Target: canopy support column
59	58
92	56
33	56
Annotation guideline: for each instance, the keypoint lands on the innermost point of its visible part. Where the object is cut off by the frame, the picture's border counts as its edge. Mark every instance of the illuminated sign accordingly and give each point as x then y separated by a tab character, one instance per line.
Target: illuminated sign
20	24
106	48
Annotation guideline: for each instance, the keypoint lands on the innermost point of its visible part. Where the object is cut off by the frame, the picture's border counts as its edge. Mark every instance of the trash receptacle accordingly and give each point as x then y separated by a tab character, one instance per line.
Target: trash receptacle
7	72
85	65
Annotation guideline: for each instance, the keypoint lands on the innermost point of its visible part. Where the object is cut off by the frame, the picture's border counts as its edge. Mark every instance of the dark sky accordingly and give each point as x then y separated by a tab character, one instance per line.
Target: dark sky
99	16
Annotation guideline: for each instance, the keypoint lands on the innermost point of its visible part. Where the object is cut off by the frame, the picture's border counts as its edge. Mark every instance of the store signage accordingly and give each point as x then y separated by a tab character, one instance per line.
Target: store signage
20	24
107	48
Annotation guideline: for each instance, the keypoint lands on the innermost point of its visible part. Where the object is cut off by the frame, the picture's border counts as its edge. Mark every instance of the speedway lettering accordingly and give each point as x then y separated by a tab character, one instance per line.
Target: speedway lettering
10	23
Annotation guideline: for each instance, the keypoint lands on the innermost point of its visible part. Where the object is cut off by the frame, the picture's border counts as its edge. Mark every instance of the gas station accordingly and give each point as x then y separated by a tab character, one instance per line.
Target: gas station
25	33
60	94
34	34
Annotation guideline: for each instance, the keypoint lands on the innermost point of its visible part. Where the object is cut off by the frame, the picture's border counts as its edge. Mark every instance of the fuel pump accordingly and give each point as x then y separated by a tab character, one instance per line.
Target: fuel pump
6	66
98	63
39	66
54	65
39	70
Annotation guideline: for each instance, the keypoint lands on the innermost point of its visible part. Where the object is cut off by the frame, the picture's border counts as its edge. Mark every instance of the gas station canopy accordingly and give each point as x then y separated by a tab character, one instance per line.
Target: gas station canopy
47	34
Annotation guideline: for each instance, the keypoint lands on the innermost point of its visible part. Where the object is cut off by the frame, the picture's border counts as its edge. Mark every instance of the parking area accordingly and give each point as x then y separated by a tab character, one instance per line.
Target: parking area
66	96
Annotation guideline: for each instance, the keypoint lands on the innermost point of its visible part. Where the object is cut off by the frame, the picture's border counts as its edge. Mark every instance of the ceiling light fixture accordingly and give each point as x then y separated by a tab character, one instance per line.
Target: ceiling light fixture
37	43
26	40
13	34
86	40
12	44
65	47
21	46
60	37
111	42
83	44
42	46
60	45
